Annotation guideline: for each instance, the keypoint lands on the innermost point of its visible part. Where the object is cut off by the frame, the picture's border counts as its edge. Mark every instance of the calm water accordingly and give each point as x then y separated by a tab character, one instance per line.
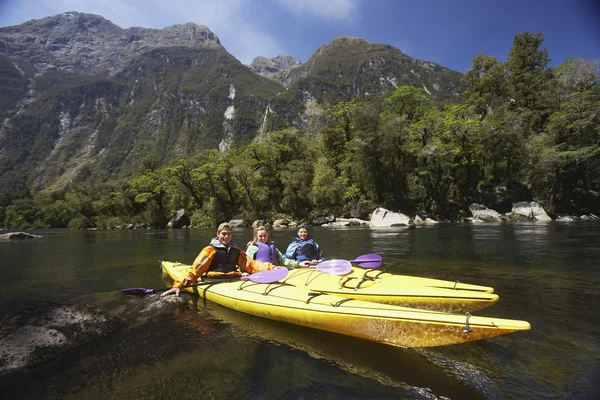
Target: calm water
547	274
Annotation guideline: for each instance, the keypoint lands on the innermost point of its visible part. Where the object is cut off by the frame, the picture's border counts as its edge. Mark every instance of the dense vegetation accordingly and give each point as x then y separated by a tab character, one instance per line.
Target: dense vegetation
523	130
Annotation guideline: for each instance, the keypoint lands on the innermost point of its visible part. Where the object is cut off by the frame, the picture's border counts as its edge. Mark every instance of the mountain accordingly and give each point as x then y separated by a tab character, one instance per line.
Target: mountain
351	67
83	95
80	95
274	67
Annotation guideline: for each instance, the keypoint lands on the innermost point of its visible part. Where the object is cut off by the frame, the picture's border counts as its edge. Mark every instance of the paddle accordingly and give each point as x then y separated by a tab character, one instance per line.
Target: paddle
269	276
367	261
334	267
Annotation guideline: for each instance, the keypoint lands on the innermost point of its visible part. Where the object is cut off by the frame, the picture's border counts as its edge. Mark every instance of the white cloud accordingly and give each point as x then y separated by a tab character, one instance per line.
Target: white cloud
325	9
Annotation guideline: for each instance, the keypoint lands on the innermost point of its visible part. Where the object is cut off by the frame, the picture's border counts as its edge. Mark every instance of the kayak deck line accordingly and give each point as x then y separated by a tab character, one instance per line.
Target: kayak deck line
390	291
350	309
433	282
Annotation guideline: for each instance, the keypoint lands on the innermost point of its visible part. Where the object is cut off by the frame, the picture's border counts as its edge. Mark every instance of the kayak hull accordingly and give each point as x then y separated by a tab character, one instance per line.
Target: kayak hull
391	290
383	323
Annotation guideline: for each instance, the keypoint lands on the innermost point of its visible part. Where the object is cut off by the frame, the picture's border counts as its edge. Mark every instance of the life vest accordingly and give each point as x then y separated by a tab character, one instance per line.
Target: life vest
266	252
225	259
307	251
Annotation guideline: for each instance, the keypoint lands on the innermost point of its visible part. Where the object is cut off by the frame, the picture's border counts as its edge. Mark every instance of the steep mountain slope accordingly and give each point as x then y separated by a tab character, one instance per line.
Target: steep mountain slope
80	95
350	67
66	116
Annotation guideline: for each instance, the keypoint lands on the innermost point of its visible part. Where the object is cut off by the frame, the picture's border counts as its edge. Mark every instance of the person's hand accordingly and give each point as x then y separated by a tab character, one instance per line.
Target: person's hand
245	274
172	290
304	264
314	262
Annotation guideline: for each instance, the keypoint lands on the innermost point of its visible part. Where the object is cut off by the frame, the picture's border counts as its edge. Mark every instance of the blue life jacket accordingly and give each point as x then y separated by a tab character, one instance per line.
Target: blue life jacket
266	253
304	250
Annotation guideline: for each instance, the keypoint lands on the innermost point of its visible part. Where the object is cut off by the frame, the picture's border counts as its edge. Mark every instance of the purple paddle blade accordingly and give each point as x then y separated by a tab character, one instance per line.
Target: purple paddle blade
269	276
138	291
335	267
368	260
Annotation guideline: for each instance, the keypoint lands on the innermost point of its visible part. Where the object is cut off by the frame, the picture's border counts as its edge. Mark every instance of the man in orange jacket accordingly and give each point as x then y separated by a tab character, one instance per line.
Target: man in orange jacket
220	259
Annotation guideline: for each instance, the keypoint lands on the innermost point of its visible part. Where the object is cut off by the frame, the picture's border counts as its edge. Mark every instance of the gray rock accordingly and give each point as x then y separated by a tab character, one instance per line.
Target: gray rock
43	332
323	219
237	223
565	218
482	213
18	235
179	220
528	211
385	218
340	222
281	223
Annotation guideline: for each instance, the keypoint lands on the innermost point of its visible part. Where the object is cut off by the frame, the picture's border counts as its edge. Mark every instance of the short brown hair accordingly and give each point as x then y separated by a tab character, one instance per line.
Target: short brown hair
224	225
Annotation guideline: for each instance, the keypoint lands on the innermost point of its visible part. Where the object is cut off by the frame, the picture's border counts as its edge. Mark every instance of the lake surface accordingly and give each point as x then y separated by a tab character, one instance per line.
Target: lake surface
547	274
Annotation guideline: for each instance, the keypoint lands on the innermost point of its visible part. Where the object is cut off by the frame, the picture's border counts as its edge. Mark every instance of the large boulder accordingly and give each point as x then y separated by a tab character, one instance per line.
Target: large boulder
482	213
43	332
528	211
356	209
179	220
282	223
385	218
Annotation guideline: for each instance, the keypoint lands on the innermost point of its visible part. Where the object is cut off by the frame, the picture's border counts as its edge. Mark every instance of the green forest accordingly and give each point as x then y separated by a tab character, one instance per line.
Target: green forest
521	127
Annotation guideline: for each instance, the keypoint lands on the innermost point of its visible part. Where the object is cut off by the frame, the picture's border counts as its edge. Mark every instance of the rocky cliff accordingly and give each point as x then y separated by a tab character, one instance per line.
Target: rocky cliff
81	96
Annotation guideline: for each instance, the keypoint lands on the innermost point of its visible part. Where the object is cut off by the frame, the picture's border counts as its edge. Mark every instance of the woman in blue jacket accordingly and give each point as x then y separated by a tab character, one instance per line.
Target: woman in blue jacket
304	248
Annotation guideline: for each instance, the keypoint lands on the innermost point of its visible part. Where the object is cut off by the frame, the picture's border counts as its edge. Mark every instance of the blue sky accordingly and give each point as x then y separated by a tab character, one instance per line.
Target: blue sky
447	32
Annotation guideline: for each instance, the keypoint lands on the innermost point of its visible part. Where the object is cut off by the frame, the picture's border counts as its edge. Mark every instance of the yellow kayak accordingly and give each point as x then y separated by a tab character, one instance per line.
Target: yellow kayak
407	280
391	289
384	323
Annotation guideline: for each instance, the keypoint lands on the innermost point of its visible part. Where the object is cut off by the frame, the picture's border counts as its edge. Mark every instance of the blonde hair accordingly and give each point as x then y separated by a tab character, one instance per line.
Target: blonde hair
261	228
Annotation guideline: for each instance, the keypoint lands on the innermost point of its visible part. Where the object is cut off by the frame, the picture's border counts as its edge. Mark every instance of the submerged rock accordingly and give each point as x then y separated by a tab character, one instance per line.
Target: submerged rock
18	235
43	332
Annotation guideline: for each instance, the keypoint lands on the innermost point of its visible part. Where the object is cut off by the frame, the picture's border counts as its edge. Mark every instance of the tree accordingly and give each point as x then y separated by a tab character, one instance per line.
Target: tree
151	189
486	84
529	76
577	75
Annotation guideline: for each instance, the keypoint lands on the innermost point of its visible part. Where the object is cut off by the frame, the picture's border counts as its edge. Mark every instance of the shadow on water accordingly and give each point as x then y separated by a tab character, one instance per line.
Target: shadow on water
167	345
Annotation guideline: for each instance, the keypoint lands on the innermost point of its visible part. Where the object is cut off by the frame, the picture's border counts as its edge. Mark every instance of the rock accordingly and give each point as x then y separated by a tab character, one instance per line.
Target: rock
565	218
18	235
356	209
323	219
237	223
528	211
43	332
340	222
179	220
281	223
385	218
482	213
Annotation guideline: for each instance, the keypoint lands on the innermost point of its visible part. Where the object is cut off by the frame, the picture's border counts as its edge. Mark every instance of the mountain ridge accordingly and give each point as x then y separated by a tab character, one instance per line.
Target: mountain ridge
82	95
